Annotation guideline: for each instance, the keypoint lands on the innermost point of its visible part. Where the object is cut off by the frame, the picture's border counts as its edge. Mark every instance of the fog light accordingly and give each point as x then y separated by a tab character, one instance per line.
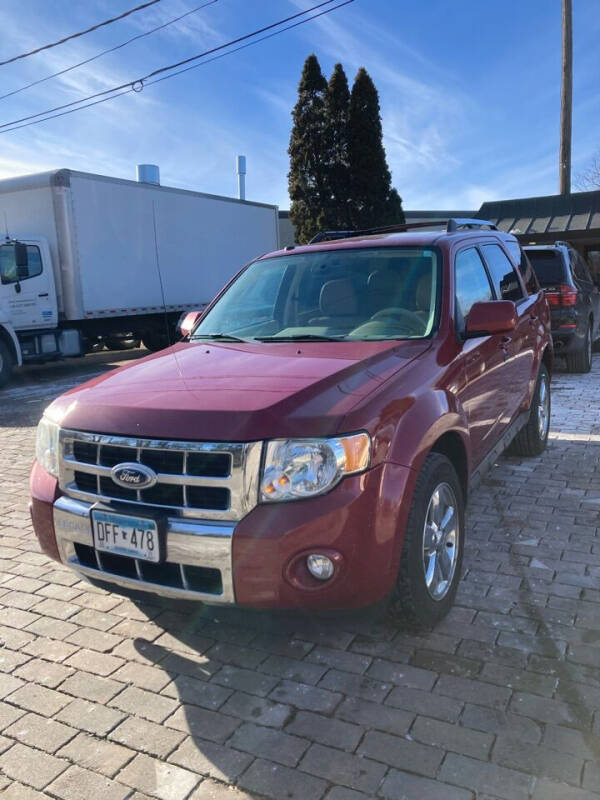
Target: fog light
319	566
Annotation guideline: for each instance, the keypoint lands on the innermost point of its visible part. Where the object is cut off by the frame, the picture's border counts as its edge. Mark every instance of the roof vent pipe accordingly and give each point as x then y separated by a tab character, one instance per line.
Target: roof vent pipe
241	173
148	173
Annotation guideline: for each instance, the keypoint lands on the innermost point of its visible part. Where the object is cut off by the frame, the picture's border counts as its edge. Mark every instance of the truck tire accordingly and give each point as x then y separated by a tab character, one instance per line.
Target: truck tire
532	438
121	343
581	360
6	363
432	552
156	341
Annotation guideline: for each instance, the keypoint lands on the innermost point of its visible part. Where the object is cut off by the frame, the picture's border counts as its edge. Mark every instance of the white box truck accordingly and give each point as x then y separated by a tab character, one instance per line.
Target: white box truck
113	261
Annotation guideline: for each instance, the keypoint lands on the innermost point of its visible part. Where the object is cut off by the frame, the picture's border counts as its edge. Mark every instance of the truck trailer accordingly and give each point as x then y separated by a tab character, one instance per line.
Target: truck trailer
112	261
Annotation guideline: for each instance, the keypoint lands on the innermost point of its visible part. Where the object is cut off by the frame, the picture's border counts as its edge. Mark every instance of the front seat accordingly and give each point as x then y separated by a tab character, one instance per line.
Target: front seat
338	304
423	296
385	289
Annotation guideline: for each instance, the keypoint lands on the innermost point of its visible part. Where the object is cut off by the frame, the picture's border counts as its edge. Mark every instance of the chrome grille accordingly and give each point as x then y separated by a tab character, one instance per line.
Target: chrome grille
208	480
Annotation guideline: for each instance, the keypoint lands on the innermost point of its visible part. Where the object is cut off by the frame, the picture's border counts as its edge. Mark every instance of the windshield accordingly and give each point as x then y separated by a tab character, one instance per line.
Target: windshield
548	266
363	294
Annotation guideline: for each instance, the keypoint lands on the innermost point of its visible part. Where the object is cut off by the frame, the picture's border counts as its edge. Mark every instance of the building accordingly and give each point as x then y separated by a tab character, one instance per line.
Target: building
539	220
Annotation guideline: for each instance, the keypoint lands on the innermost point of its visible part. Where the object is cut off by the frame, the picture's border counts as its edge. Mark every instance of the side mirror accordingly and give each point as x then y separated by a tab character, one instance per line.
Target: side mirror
21	258
22	272
486	319
187	322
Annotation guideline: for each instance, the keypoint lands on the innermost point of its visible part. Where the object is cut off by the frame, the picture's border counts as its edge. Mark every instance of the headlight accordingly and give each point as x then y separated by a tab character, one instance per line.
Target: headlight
46	446
297	468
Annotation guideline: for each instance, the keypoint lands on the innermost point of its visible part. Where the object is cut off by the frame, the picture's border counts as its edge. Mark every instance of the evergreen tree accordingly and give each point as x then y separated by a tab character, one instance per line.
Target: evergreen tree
337	210
308	176
374	202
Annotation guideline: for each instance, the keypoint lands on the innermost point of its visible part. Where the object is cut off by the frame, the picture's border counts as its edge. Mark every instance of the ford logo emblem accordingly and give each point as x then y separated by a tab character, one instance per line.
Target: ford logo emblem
133	476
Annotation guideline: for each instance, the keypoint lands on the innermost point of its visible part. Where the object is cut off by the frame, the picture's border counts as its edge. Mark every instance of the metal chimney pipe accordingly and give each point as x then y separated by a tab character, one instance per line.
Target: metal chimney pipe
148	173
241	173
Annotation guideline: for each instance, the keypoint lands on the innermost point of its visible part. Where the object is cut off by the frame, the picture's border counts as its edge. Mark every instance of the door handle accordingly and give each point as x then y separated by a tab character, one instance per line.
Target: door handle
43	294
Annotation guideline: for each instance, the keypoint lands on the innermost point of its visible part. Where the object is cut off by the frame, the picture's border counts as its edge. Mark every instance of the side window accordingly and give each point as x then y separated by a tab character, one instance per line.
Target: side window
8	267
579	266
472	283
504	277
524	264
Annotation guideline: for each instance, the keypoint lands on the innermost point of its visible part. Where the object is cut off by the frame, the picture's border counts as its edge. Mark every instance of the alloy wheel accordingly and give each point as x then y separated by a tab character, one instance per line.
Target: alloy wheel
440	541
543	407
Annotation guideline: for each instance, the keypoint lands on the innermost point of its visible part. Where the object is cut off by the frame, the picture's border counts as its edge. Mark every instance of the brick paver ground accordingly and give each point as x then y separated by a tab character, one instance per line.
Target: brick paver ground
101	697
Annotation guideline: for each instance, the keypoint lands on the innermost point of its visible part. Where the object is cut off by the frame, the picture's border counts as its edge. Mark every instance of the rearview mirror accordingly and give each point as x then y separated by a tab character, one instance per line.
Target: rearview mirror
187	322
21	256
22	272
486	319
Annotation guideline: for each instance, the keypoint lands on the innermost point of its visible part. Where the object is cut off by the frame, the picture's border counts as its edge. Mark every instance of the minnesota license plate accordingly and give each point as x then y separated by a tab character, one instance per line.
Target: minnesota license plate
137	537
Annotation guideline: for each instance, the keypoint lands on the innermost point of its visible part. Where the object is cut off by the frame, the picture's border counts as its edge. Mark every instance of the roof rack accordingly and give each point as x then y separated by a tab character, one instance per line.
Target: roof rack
451	225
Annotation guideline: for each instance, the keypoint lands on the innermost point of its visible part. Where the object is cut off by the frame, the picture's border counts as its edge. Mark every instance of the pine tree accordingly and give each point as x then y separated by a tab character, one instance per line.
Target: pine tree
308	154
374	202
337	211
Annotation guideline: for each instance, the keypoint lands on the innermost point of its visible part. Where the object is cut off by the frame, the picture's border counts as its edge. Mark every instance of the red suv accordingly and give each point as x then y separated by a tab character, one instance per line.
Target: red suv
312	440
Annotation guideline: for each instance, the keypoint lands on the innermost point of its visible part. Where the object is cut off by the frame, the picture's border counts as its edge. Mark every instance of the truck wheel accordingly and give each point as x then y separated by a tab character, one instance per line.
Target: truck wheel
6	363
581	360
121	343
432	552
532	438
156	341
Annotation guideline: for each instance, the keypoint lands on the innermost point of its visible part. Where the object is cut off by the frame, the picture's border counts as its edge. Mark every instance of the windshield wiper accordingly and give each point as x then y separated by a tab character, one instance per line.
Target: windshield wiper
221	337
301	337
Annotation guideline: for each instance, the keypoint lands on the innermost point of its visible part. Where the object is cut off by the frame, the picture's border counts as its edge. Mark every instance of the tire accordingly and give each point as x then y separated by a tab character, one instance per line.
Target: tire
121	343
532	438
159	339
419	597
6	363
581	360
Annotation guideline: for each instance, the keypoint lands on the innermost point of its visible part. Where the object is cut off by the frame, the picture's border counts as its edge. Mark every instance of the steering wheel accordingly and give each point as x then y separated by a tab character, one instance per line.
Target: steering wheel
405	317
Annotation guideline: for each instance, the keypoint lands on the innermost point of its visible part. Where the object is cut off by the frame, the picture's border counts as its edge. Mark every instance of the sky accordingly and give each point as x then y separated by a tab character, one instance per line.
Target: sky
469	91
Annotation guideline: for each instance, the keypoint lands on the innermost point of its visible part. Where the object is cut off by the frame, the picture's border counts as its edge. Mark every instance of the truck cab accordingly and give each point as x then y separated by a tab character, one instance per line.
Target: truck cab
27	293
28	303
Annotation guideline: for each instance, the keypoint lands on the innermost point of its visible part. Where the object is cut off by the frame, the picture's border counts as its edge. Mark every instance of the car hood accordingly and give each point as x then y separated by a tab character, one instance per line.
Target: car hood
234	392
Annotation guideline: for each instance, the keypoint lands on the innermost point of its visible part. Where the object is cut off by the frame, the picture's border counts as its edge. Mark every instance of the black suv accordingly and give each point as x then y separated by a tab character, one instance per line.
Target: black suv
573	298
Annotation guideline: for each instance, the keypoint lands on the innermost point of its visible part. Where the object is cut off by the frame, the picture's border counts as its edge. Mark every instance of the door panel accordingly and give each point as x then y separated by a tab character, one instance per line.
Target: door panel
483	396
517	346
487	360
30	298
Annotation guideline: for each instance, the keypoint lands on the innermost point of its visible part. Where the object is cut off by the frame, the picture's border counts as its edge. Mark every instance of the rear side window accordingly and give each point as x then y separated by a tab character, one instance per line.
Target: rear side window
528	276
579	266
504	276
548	266
472	283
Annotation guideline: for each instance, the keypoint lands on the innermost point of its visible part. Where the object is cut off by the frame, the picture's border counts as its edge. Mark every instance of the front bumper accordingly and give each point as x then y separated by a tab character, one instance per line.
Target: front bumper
261	559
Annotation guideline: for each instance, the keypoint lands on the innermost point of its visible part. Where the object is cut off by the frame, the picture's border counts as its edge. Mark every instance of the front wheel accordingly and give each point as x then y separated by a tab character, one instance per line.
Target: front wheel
6	364
432	552
532	438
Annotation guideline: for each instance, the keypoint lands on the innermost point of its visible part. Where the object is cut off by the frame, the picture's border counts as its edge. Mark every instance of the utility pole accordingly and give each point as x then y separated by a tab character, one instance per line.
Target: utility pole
566	99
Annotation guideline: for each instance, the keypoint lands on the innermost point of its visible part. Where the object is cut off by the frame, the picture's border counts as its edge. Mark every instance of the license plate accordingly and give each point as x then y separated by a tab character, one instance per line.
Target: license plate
136	537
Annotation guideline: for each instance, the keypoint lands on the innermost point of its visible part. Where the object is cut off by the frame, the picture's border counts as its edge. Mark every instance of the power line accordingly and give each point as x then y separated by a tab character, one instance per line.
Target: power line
138	84
109	50
130	88
81	33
